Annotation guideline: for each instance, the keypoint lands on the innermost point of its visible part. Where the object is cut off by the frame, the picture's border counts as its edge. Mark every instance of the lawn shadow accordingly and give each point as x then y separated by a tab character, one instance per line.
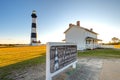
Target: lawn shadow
7	70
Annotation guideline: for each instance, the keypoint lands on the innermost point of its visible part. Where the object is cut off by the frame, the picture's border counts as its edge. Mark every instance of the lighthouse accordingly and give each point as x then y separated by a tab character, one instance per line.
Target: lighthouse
34	41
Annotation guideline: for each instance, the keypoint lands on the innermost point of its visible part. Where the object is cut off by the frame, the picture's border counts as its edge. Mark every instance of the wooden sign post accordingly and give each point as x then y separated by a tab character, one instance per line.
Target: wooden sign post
59	56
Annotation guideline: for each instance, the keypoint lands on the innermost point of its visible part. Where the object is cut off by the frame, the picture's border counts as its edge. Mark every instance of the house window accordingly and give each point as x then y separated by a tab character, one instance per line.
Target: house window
88	41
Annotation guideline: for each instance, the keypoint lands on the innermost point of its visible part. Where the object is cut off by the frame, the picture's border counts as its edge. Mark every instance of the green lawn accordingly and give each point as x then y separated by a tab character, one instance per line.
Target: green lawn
100	53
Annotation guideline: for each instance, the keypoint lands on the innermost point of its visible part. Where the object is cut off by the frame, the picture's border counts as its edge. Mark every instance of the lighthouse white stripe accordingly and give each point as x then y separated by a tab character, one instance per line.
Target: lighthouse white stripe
33	20
33	39
33	30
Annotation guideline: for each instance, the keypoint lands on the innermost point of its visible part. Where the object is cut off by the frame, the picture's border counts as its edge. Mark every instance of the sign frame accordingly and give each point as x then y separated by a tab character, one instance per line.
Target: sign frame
49	75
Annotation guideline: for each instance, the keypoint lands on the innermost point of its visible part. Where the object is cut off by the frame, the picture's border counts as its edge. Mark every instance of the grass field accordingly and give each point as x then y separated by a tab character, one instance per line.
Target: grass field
19	58
14	55
100	53
117	46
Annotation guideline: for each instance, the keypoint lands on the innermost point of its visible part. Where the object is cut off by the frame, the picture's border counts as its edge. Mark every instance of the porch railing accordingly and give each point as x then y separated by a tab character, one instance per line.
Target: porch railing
92	46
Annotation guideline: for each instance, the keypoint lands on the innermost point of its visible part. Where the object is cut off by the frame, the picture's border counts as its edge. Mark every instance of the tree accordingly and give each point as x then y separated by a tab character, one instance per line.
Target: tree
115	40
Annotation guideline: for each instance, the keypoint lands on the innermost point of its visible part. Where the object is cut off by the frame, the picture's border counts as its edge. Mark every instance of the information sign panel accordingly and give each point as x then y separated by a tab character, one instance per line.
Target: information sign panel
59	57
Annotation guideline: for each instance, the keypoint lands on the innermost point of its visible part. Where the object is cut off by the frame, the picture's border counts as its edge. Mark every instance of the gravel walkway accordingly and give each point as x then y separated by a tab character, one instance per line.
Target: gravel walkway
87	69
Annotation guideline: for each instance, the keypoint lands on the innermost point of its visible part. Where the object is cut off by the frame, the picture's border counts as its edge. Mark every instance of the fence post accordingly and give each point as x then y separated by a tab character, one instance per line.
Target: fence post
74	65
48	74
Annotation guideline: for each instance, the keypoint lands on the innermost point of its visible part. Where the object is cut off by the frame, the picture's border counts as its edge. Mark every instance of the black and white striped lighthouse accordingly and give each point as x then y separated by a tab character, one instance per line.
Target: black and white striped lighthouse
33	30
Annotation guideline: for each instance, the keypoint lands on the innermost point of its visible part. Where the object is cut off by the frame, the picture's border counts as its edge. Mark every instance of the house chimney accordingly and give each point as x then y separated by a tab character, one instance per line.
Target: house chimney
91	29
78	23
70	25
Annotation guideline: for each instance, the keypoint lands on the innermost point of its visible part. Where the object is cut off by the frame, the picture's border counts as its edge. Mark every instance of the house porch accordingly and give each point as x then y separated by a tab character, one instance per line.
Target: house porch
92	43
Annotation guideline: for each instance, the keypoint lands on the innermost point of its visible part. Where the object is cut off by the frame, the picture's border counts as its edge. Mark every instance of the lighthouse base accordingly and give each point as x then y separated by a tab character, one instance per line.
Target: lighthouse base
35	44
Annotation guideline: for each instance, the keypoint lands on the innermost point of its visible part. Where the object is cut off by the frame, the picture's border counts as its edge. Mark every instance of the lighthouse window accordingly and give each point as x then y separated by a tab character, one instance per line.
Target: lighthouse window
34	25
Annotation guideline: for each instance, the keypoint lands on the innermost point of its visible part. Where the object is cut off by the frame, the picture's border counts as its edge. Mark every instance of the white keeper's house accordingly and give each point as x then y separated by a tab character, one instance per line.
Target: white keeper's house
83	37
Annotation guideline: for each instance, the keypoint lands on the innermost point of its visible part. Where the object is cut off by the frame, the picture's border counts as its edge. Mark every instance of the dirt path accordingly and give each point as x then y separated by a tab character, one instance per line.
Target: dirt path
36	72
87	69
111	70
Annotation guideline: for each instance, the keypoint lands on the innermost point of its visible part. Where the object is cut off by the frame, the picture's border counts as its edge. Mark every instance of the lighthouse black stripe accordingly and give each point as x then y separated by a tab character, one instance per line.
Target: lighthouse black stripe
33	25
34	15
33	35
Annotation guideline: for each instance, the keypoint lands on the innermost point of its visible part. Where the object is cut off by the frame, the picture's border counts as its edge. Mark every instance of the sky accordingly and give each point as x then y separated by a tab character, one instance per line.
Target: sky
54	16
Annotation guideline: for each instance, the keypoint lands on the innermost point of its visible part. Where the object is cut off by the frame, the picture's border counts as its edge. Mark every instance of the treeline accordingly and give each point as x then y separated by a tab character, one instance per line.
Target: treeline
11	45
118	43
8	44
114	41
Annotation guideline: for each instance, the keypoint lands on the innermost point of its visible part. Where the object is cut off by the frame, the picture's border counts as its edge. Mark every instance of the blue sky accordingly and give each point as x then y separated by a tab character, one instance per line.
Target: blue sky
54	17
